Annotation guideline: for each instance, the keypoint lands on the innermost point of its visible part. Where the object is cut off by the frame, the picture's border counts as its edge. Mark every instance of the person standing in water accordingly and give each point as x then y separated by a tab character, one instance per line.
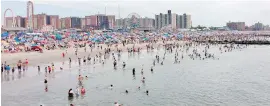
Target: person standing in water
69	60
46	85
79	60
80	79
133	71
82	90
84	60
46	70
26	63
77	92
49	68
13	70
2	68
114	64
124	64
19	65
63	55
70	93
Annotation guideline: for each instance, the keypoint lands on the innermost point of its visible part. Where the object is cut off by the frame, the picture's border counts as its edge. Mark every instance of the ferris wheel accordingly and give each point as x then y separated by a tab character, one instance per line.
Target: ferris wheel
133	20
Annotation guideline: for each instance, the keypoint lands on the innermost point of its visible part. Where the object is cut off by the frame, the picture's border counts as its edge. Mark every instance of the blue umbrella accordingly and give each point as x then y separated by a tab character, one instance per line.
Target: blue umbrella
5	34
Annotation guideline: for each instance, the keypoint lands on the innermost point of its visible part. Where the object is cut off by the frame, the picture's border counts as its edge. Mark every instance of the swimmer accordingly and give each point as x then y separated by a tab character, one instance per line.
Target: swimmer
77	91
49	68
45	81
69	60
143	80
61	68
133	71
38	68
70	93
124	64
111	87
80	78
86	77
147	92
82	90
152	69
45	69
13	69
116	104
126	91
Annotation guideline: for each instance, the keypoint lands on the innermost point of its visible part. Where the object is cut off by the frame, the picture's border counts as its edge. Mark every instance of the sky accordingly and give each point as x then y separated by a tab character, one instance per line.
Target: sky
203	12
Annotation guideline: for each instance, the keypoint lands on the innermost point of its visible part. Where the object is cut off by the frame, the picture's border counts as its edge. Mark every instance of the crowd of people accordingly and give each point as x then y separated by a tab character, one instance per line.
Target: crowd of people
170	43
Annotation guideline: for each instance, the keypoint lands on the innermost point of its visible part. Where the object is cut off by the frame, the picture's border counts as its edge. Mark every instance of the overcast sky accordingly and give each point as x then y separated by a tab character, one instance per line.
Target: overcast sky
203	12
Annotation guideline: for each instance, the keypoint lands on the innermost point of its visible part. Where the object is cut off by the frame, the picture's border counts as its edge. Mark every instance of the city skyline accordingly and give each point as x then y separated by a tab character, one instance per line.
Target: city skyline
206	13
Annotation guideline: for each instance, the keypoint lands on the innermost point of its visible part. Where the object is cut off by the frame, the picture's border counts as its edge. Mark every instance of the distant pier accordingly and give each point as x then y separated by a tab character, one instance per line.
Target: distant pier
252	42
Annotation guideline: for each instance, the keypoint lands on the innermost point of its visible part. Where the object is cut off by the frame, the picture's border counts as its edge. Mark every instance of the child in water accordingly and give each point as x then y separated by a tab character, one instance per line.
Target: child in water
77	91
53	67
82	90
49	68
13	69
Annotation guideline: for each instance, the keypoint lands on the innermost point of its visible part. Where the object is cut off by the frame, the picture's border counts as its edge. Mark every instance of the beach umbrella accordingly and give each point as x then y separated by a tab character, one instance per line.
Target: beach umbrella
58	37
145	39
4	35
17	39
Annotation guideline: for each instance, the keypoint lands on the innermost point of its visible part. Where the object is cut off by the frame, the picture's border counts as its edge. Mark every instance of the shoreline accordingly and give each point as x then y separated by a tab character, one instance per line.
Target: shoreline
49	56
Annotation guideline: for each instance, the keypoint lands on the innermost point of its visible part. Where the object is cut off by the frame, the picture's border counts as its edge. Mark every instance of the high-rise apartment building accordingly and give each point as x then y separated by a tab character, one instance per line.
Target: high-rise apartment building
103	22
111	20
62	23
83	23
54	21
75	22
157	20
8	22
188	21
240	26
40	21
91	21
175	20
121	23
258	26
67	22
20	21
169	16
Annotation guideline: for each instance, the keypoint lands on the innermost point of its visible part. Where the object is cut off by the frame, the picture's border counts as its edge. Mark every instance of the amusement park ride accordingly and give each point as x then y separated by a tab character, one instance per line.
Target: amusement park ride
29	18
133	22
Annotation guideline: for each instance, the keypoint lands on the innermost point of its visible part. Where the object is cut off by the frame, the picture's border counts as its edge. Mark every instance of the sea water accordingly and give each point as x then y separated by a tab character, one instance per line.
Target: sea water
237	78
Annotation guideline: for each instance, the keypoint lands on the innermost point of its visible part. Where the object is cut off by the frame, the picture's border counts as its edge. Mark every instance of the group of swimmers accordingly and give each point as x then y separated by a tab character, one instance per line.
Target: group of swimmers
169	48
20	66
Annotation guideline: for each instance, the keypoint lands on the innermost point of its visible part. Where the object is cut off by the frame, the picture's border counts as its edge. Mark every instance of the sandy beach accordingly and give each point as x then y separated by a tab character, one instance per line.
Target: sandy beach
49	56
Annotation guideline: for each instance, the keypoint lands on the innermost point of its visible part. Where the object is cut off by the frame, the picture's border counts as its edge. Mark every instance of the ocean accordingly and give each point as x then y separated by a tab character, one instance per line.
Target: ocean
237	78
